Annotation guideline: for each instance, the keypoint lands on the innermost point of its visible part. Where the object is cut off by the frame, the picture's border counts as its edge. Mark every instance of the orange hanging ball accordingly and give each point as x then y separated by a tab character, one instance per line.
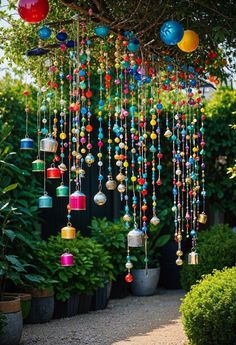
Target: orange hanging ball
189	42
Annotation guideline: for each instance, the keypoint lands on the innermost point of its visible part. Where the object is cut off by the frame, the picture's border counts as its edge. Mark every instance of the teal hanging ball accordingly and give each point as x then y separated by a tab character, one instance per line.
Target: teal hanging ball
44	33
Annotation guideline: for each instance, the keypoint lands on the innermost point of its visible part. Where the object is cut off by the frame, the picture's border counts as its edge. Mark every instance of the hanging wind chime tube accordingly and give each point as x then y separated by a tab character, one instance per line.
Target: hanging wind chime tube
27	143
38	165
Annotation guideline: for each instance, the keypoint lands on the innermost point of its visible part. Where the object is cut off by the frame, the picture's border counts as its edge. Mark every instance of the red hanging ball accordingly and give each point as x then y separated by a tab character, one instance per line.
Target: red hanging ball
129	278
33	11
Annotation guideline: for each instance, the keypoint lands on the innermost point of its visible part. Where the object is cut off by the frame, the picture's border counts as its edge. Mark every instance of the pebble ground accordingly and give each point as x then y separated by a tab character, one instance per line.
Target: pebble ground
151	320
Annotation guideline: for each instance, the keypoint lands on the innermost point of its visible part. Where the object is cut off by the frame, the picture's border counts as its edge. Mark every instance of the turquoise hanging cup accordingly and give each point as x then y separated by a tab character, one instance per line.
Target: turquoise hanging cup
45	201
62	191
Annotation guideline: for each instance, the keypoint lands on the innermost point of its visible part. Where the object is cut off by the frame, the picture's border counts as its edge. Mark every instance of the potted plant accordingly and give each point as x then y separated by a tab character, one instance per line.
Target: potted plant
75	285
146	278
113	237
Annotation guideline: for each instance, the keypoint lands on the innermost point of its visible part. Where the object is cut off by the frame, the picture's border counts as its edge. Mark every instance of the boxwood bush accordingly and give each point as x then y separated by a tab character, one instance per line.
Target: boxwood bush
217	249
209	310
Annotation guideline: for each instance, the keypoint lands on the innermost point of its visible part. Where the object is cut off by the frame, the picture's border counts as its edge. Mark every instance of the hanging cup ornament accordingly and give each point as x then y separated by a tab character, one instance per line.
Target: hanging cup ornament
62	191
26	144
135	238
155	220
38	165
33	11
67	260
202	218
193	258
45	201
100	198
78	201
53	173
68	232
171	32
48	145
111	184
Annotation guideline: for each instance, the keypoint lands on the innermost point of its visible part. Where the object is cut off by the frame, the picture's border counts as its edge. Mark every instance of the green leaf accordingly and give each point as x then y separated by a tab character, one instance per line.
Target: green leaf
162	240
9	188
10	234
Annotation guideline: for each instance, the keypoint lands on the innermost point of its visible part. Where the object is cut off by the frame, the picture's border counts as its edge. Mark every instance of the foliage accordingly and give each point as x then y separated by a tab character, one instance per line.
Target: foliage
112	235
221	150
217	249
209	310
155	242
232	170
2	322
92	265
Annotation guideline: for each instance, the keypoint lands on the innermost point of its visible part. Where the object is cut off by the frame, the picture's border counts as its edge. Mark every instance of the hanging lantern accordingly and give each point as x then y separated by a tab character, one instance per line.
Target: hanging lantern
101	31
45	201
189	42
135	238
33	11
67	260
111	184
193	258
171	32
202	218
78	201
100	198
68	232
62	191
44	33
53	173
38	165
48	145
26	144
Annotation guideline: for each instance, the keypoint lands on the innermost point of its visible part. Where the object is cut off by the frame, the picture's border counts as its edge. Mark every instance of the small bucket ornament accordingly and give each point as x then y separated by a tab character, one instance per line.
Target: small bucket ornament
48	145
193	258
53	172
62	191
68	232
135	238
38	165
78	201
45	201
26	144
67	260
202	218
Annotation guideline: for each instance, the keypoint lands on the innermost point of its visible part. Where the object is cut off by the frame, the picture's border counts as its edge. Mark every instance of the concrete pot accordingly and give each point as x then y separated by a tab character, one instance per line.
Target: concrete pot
12	331
42	306
145	281
25	299
67	308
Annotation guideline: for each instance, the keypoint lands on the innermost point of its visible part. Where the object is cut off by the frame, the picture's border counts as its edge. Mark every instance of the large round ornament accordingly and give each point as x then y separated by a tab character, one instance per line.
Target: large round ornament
171	32
44	33
100	198
33	11
189	42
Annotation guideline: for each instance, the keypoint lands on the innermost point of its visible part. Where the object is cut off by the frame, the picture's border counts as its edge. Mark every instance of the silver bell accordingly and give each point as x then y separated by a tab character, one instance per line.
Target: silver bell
193	258
48	145
135	238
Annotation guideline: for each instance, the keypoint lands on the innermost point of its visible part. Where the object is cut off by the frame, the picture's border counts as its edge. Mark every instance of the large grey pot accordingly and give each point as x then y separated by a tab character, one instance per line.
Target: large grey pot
145	281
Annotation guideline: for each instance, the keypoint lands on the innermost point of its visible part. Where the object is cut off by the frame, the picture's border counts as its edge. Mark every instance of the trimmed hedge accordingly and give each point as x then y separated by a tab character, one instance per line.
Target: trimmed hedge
209	310
217	250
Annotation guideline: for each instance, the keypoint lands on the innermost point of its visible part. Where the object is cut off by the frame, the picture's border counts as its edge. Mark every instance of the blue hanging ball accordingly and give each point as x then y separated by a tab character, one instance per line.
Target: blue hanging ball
44	33
70	44
102	30
61	36
133	46
171	32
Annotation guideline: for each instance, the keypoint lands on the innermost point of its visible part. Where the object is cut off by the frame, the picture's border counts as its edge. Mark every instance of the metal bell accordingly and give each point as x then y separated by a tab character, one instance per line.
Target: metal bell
45	201
100	198
62	191
111	184
26	144
193	258
167	133
38	165
67	260
202	218
68	232
78	201
135	238
53	173
48	145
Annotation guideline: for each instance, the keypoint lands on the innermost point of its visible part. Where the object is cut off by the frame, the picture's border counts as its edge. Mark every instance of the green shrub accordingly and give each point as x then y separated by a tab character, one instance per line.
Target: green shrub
209	310
217	249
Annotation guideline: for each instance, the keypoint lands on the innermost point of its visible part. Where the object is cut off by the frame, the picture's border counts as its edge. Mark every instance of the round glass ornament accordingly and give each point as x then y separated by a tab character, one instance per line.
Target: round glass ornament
33	11
171	32
189	42
44	33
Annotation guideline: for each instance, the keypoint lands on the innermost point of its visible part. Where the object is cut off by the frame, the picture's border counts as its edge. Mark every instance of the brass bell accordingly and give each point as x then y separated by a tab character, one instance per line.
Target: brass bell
68	232
48	145
202	218
135	238
193	258
111	184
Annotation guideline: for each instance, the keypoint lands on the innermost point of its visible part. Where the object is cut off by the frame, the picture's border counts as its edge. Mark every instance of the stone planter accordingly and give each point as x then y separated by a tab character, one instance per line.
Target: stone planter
66	308
100	298
25	300
145	281
42	306
12	331
84	304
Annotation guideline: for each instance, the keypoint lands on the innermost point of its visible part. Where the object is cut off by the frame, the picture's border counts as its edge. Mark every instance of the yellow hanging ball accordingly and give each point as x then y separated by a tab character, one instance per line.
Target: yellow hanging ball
189	42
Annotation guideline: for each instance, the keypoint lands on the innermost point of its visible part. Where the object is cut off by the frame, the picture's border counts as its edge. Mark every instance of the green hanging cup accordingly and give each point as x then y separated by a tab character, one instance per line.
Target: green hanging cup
62	191
38	165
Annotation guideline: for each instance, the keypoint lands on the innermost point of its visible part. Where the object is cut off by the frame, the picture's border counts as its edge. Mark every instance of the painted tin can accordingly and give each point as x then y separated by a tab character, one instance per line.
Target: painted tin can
38	165
135	238
67	260
26	144
202	218
78	201
48	145
53	173
68	232
193	258
62	191
45	201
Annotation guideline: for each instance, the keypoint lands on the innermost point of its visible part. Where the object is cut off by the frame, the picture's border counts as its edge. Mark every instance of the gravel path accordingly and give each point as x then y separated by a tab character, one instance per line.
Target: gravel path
151	320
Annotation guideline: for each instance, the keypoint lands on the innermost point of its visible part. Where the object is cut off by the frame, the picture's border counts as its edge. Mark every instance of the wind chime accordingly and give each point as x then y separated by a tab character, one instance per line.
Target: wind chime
129	107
